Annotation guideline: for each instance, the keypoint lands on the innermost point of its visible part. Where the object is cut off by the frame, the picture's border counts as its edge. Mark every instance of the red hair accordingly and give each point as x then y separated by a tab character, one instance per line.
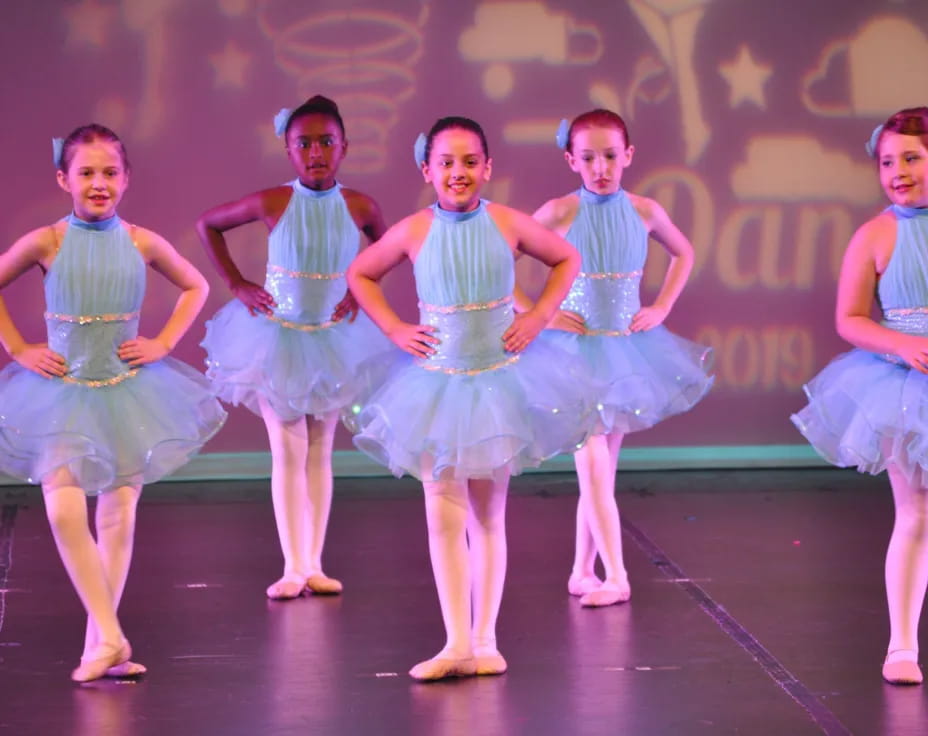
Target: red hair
598	118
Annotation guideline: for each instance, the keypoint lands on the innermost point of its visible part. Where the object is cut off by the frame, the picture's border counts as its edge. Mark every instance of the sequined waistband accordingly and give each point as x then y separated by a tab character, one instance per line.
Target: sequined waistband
305	274
465	307
84	319
101	382
468	371
302	326
612	276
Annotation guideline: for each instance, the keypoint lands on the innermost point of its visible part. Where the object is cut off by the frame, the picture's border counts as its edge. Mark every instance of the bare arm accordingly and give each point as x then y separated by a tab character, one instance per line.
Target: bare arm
367	216
557	215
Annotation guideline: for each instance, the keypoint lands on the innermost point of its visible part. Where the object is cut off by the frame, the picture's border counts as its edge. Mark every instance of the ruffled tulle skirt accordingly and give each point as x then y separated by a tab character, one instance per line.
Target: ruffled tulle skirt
476	426
298	372
135	431
649	375
866	412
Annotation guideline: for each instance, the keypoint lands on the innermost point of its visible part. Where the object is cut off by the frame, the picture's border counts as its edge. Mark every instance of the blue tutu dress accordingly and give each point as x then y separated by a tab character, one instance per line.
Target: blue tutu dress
107	423
298	359
649	375
866	409
473	409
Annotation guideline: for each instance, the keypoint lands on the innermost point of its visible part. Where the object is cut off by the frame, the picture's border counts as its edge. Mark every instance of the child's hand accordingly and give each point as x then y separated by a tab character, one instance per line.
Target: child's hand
914	351
414	339
347	307
648	318
39	359
524	328
568	322
141	350
255	297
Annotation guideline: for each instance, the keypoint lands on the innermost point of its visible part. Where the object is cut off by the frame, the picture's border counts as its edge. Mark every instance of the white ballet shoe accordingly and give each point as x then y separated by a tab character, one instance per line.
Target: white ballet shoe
608	594
578	586
490	661
439	668
322	584
126	669
103	658
290	586
901	668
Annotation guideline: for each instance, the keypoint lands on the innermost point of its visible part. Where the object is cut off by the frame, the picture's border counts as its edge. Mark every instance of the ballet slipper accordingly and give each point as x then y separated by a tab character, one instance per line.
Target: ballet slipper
104	657
901	668
126	669
290	586
577	585
608	594
438	668
321	584
490	661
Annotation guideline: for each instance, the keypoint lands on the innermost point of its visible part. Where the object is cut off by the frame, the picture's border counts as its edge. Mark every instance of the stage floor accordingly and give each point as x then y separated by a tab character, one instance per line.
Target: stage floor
757	608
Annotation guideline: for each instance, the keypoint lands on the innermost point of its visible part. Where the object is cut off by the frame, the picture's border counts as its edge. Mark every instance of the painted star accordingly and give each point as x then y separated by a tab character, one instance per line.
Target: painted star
746	78
230	66
88	22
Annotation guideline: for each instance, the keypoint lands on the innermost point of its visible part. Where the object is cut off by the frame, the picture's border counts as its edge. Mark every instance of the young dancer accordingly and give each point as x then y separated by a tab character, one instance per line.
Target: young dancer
649	372
866	408
290	350
99	409
474	401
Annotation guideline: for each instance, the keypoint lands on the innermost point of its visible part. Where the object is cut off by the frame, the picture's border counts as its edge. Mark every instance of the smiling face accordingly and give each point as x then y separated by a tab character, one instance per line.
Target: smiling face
96	179
903	165
457	168
600	156
316	147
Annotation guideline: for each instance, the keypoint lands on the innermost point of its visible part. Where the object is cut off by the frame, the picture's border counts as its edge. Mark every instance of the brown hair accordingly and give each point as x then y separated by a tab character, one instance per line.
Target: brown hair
911	121
89	134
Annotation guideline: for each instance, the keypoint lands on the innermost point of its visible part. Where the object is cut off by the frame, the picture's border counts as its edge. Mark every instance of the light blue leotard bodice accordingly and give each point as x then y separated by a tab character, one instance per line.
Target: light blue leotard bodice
464	280
309	250
903	287
93	293
613	244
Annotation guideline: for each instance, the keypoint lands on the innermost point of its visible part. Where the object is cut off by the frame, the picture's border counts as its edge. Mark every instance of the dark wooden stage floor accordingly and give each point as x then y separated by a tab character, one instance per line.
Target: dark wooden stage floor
757	608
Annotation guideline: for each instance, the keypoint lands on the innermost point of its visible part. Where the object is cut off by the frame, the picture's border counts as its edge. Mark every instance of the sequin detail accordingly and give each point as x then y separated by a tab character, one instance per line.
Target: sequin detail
100	382
86	319
465	307
469	371
908	320
610	275
608	333
300	325
305	274
606	301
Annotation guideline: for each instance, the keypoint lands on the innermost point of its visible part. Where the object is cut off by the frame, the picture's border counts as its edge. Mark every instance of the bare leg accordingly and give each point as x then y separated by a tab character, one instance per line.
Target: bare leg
66	509
289	453
596	477
115	527
319	485
486	534
906	578
446	513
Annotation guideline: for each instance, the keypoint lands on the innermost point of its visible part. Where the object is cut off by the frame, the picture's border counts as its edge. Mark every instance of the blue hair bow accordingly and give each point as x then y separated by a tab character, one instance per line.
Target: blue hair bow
870	145
418	149
57	151
281	119
561	137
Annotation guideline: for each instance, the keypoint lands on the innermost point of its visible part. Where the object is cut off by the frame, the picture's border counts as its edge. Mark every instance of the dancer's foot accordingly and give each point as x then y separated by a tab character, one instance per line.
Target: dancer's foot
582	584
444	665
288	587
901	668
490	661
608	594
102	657
321	584
126	669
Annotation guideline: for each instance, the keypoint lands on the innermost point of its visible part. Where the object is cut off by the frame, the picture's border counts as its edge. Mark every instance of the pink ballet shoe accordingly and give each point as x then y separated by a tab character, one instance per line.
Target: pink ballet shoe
105	656
290	586
490	663
901	668
439	668
322	584
608	594
578	586
126	669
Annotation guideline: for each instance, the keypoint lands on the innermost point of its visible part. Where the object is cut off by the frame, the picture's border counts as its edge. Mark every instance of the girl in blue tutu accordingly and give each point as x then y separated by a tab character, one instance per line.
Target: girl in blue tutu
99	410
867	408
648	372
290	350
475	400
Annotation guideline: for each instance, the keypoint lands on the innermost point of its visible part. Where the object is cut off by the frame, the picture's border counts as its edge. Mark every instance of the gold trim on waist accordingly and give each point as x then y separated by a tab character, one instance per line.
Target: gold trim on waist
301	325
84	319
100	382
470	371
904	311
465	307
608	333
305	274
609	275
